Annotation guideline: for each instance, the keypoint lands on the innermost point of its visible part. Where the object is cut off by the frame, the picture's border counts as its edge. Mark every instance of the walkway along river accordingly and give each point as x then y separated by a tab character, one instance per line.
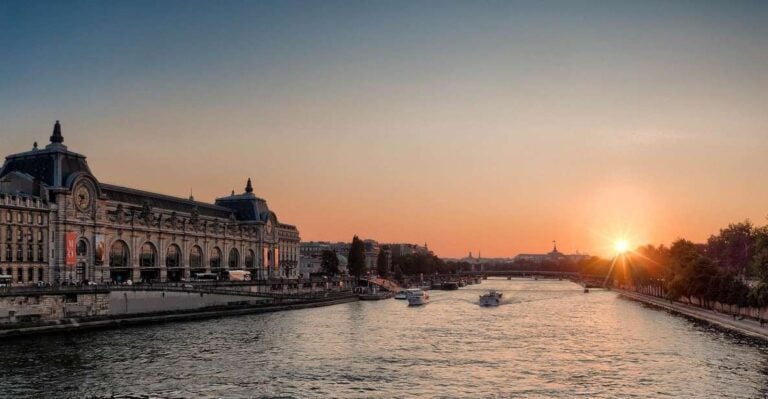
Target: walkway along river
548	339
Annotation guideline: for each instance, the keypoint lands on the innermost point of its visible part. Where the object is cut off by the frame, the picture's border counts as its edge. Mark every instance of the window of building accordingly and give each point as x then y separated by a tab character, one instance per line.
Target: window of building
30	252
195	258
118	254
148	257
19	252
40	274
234	258
249	259
173	256
20	274
29	218
40	253
31	274
40	236
215	258
82	248
9	234
40	219
8	253
19	235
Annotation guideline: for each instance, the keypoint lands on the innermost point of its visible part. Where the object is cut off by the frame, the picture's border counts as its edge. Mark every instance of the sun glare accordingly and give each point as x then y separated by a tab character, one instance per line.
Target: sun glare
621	246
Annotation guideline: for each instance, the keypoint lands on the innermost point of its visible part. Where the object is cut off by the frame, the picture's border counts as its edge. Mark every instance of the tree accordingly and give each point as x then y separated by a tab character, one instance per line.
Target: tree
330	262
683	254
733	247
382	268
356	259
759	264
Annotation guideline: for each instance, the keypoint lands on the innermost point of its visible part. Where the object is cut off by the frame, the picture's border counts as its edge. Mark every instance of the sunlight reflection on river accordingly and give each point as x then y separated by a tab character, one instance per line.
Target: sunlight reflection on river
548	339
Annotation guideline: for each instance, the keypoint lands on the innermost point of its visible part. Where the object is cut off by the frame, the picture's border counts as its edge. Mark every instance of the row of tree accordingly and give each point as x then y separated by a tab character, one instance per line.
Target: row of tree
730	268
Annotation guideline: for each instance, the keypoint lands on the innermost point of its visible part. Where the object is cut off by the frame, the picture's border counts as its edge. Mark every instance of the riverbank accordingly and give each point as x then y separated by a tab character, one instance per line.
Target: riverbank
73	324
745	326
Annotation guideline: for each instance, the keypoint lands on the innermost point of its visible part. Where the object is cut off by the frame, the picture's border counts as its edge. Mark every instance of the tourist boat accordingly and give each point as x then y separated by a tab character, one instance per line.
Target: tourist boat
417	298
492	298
401	295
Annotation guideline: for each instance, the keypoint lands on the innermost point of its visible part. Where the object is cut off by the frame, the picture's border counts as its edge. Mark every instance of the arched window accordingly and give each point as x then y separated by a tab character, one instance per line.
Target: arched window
118	254
196	258
234	258
82	248
215	258
148	256
249	259
173	256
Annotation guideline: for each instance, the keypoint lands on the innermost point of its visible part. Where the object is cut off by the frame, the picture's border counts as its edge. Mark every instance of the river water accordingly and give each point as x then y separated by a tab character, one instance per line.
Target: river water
548	339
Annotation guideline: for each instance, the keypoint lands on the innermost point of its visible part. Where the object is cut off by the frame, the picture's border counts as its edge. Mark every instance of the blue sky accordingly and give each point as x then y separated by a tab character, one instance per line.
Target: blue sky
475	114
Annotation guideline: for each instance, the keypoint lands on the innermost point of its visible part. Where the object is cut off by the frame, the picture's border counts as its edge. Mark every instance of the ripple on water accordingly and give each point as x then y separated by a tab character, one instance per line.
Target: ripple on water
547	339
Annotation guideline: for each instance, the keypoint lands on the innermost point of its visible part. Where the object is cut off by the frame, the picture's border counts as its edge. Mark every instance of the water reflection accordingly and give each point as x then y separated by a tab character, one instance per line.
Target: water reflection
547	339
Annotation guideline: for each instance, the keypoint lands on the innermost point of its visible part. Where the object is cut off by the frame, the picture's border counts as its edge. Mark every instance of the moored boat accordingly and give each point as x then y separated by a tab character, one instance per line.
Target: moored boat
451	285
401	295
377	296
492	298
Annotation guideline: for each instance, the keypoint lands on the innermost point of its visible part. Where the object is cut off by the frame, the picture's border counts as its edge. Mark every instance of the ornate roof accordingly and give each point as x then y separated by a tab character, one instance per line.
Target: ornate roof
53	166
247	206
162	201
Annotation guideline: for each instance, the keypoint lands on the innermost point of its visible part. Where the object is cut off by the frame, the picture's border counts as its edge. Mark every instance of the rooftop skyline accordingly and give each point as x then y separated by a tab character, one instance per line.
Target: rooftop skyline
470	126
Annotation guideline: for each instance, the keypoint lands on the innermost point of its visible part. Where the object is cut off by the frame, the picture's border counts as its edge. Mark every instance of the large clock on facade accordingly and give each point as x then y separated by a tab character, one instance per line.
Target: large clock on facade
83	197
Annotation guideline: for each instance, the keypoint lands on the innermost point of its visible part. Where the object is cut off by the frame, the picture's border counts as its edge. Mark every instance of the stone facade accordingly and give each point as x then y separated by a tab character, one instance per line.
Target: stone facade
125	234
24	238
32	308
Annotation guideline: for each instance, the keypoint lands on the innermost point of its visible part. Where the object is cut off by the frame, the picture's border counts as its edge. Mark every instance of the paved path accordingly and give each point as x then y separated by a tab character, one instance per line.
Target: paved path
746	326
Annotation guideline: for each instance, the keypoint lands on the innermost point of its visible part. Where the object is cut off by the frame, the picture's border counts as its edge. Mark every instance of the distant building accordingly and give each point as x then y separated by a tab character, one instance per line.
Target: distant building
311	259
552	256
311	251
402	249
371	254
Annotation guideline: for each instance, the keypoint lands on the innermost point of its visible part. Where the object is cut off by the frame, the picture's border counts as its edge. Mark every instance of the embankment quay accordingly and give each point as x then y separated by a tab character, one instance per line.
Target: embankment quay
36	310
746	326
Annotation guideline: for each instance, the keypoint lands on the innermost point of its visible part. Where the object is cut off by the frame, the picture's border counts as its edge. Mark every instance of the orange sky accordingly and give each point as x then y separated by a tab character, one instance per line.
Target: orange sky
496	128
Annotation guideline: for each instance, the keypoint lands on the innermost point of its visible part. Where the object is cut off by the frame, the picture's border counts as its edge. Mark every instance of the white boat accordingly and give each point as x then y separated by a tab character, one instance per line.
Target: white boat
401	295
417	298
492	298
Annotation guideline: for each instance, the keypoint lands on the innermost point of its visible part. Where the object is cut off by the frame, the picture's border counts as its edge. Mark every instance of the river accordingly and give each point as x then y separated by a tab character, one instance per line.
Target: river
548	339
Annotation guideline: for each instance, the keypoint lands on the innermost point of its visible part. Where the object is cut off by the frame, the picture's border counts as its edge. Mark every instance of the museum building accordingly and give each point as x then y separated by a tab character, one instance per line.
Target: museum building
59	224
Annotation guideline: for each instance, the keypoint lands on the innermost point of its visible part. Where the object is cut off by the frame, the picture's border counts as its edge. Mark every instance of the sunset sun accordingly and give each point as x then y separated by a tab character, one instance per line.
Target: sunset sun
621	246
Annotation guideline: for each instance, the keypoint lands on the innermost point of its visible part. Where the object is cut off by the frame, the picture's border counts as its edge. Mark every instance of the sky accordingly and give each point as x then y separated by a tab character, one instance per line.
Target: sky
492	126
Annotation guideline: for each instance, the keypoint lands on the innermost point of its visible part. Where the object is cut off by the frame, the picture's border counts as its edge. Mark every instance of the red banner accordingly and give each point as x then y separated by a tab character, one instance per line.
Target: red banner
71	254
277	258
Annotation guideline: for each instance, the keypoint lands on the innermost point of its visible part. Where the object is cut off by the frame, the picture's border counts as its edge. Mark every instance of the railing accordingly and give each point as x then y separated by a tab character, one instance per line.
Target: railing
217	287
59	289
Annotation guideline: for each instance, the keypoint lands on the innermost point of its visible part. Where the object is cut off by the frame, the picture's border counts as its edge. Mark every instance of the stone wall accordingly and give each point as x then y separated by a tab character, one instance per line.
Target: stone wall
133	302
30	308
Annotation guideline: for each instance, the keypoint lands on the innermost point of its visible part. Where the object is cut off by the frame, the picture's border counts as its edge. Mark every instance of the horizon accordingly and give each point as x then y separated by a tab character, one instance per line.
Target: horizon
495	127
